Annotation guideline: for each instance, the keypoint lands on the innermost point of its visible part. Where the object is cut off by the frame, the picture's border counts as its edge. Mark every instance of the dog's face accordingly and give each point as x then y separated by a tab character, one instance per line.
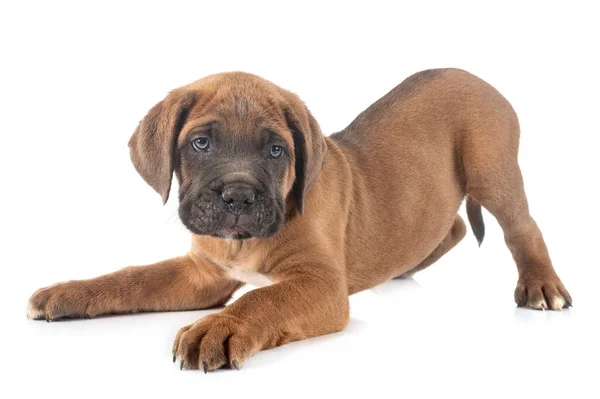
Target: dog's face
242	148
236	167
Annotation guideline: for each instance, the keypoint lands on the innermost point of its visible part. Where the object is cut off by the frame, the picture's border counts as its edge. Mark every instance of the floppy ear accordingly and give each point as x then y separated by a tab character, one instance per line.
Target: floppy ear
309	150
153	144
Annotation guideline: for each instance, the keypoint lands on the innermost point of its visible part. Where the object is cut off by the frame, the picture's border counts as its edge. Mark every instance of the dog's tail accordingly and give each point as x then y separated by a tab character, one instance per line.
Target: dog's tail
475	219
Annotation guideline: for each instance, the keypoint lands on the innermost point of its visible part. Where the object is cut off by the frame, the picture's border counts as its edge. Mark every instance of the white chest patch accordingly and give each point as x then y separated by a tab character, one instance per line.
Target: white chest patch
253	278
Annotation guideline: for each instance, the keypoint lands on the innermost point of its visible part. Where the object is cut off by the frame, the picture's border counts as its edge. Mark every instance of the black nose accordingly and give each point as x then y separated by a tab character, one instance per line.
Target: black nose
238	197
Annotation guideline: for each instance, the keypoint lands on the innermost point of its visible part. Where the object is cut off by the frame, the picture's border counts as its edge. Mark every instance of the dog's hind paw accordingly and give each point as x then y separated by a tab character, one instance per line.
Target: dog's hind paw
542	295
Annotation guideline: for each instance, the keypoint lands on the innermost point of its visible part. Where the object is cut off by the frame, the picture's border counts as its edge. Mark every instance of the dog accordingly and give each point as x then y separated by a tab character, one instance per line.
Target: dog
312	219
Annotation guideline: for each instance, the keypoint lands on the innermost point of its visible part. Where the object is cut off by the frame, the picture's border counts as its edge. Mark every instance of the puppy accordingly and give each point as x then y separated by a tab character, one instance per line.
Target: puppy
312	219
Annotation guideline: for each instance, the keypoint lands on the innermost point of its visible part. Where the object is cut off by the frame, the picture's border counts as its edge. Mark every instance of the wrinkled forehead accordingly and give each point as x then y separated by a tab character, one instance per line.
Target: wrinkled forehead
239	109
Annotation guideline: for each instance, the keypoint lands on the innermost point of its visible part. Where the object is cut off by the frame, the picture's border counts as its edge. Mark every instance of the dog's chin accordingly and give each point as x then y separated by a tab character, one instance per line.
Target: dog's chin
232	233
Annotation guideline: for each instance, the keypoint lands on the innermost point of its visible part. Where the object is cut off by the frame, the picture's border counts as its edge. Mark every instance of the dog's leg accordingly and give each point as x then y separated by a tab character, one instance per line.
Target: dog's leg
494	180
306	302
456	233
175	284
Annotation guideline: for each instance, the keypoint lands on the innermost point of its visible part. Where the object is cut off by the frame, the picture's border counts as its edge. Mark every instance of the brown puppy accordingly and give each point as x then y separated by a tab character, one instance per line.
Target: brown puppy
272	201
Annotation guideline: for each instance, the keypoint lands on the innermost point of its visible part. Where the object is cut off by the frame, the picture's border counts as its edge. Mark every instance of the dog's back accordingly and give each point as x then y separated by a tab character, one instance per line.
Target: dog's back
406	151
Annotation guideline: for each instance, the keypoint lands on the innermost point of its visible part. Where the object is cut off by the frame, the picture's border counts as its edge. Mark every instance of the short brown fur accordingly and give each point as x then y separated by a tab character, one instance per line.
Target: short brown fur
376	201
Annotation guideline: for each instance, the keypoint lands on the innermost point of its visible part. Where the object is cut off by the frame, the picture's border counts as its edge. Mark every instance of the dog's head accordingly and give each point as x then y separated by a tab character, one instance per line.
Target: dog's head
242	148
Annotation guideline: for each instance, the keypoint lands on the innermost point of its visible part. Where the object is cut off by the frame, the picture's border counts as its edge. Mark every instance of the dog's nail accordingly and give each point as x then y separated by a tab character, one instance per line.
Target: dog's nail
205	367
181	365
174	357
236	365
47	319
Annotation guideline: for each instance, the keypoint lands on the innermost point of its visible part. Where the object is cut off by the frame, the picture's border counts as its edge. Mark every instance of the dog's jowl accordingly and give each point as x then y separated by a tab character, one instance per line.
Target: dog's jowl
270	200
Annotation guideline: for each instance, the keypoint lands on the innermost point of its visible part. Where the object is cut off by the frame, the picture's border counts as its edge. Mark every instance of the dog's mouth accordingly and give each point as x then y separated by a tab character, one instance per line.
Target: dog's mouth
206	215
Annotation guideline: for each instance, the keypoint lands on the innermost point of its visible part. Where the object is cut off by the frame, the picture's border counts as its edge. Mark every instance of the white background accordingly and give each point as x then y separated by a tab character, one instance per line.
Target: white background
75	80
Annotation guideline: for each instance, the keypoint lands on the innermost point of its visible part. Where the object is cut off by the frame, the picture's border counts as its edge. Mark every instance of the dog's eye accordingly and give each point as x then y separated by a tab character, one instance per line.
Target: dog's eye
201	144
275	151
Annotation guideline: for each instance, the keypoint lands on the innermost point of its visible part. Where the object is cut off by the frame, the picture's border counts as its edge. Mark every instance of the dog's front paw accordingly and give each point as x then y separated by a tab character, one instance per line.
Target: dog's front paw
213	342
542	294
59	301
